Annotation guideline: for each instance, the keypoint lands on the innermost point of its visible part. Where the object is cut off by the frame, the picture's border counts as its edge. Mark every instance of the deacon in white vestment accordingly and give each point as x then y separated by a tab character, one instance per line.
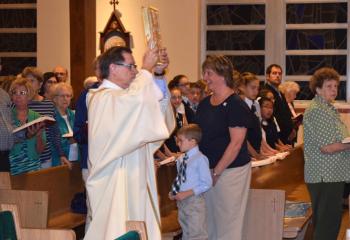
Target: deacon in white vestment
126	126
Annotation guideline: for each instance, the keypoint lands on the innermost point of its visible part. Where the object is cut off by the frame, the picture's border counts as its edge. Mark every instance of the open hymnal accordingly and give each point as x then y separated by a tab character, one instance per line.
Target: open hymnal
45	119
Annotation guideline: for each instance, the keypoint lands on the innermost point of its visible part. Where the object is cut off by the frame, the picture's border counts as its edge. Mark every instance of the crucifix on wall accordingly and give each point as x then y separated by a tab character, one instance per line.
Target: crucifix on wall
114	33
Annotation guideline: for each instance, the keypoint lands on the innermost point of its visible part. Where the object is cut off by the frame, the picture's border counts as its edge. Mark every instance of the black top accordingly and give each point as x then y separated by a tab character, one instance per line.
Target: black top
282	114
171	141
190	114
215	122
254	132
271	132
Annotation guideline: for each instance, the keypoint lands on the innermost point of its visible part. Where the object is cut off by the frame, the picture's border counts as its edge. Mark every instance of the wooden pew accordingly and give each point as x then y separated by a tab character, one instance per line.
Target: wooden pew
5	182
61	184
287	175
33	206
264	215
35	233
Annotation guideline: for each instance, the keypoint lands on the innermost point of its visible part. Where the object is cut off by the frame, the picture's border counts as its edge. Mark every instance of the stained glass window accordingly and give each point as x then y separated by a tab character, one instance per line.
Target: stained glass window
307	65
236	40
316	39
254	64
18	42
17	18
317	13
235	14
15	65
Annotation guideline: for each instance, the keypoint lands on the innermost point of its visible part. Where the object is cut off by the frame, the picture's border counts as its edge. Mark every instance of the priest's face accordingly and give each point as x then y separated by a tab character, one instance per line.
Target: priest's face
123	73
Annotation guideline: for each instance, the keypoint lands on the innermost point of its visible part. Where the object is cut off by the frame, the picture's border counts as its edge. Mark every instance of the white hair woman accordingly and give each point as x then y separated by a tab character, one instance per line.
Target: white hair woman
290	90
62	96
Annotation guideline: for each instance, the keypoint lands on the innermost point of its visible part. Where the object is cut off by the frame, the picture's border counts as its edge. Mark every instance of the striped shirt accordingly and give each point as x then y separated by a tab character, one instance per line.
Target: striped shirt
47	108
6	139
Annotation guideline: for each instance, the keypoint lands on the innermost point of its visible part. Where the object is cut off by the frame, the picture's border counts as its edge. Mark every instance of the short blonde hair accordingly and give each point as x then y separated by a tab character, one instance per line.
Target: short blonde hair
59	86
289	86
21	81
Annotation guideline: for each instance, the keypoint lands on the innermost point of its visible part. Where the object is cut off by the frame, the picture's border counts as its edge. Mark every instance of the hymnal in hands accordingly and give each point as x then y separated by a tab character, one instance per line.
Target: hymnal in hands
45	119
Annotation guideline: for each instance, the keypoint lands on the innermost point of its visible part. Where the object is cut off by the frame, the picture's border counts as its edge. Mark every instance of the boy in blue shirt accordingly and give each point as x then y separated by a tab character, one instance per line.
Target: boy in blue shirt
193	179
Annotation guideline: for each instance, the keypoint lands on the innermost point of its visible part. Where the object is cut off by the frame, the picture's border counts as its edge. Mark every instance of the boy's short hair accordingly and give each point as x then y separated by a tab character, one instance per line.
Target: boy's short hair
191	131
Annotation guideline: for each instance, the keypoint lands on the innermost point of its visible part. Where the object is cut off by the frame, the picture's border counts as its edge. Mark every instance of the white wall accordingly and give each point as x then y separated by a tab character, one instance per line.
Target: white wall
53	36
179	22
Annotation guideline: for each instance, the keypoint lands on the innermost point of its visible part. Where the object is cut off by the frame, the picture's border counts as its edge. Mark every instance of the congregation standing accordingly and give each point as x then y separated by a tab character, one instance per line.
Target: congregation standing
214	127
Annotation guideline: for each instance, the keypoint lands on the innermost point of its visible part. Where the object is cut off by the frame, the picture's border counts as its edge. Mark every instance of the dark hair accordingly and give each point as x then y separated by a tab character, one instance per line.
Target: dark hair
175	82
112	55
191	131
321	75
264	99
263	92
46	77
222	66
269	68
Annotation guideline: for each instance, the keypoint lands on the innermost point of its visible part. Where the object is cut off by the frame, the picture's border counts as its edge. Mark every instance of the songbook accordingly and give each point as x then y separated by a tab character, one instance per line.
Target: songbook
346	140
269	160
296	209
151	27
67	135
167	160
46	119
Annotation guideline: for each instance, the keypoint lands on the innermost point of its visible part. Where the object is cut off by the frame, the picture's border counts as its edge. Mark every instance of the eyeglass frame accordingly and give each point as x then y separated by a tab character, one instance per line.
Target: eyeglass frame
19	93
129	66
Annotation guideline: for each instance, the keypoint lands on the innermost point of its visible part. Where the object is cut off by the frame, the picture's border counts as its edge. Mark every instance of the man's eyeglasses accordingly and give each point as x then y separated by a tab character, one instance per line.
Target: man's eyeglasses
130	66
19	93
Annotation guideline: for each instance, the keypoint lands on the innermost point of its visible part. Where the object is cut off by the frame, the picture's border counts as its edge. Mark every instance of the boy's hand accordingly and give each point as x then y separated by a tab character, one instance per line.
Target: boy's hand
171	196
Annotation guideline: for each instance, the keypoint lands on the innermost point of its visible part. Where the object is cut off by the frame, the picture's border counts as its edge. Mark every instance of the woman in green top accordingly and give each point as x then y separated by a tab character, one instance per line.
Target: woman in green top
327	160
62	95
24	156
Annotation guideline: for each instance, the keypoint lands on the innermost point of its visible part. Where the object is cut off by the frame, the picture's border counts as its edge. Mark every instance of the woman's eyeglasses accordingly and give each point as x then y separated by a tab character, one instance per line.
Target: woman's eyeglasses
19	93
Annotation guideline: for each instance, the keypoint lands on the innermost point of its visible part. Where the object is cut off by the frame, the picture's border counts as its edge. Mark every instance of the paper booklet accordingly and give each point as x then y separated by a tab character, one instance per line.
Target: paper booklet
269	160
38	120
67	135
167	160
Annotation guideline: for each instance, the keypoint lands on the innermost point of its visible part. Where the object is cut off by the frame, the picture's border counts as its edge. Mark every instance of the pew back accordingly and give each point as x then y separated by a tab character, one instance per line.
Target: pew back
33	206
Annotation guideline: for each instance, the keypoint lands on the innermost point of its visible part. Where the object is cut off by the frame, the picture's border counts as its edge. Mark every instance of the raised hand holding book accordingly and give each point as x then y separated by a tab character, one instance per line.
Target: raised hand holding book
45	119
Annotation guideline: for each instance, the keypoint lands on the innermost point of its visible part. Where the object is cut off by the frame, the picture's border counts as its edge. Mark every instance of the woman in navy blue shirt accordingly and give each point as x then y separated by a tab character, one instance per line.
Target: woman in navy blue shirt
224	119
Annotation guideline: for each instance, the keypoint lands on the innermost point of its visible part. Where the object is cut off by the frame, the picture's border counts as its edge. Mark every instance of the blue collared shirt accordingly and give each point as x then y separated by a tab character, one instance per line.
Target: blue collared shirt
198	176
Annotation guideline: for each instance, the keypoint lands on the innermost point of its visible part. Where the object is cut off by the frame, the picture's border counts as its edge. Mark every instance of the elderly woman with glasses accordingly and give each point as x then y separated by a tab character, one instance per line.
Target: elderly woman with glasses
62	95
224	119
24	156
327	159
